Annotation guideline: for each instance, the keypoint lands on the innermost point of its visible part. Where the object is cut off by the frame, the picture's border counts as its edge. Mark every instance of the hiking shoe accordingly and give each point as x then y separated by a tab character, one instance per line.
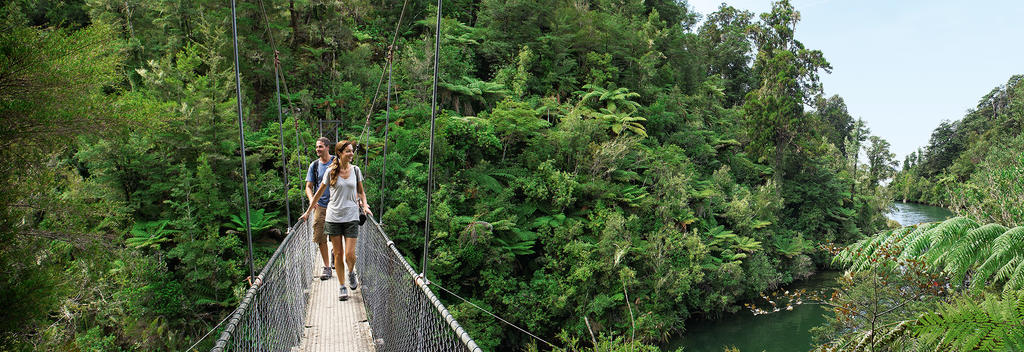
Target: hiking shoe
327	274
343	296
352	283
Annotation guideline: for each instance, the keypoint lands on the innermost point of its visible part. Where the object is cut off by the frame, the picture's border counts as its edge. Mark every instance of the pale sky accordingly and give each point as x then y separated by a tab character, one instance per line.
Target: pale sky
904	66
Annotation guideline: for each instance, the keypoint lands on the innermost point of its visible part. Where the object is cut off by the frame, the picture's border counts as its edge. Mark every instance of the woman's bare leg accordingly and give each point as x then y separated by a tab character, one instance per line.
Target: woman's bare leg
338	255
350	253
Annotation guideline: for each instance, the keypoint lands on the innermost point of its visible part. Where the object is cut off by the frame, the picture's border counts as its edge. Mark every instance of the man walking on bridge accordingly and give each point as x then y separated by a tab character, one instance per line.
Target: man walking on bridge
314	176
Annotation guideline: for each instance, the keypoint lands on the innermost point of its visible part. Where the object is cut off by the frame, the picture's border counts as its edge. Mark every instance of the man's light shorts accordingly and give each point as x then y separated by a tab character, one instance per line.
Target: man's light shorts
319	215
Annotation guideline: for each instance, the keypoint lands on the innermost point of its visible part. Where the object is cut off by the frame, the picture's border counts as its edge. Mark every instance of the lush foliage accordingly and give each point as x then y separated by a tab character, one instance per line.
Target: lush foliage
605	162
974	165
950	285
989	255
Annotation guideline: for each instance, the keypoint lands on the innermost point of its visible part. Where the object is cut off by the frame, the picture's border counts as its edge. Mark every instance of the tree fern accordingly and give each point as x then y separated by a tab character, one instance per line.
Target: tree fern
1006	250
851	254
917	241
947	235
482	179
973	248
990	255
969	325
1015	280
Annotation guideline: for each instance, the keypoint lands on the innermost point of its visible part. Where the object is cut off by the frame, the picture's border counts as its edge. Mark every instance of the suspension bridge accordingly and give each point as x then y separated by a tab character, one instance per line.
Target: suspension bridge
288	309
393	309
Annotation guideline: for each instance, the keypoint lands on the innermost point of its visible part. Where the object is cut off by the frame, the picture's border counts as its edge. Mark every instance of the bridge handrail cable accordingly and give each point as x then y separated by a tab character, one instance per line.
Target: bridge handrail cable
391	288
271	314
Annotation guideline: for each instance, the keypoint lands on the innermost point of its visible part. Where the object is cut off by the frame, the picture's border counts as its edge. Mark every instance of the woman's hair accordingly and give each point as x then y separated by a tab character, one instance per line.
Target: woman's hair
338	149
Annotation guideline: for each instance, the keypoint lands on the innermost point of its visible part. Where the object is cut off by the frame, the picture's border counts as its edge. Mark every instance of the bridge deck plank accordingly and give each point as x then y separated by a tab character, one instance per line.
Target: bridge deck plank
333	325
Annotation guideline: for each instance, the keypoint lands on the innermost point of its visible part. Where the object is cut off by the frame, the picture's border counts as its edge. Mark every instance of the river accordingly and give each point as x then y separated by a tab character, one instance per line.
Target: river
783	331
912	213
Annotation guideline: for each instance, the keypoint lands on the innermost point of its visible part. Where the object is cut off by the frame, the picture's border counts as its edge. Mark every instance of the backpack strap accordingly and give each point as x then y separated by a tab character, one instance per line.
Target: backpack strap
316	170
359	181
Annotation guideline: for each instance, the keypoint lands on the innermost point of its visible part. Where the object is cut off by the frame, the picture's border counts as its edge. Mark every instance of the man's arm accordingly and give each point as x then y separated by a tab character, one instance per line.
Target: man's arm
312	204
309	191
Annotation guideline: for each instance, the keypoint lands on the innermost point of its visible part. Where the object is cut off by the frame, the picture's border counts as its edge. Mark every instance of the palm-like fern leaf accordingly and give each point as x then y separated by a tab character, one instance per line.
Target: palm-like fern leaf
1005	249
968	325
1015	279
990	255
918	241
975	247
948	234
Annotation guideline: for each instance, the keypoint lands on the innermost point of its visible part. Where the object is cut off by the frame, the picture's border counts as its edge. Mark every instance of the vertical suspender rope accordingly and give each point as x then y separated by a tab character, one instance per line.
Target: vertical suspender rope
278	81
280	123
241	136
373	103
430	162
387	125
298	148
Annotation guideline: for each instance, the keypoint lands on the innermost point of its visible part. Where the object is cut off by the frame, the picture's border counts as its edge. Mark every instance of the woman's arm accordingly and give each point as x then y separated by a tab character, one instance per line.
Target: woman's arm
312	205
362	195
316	197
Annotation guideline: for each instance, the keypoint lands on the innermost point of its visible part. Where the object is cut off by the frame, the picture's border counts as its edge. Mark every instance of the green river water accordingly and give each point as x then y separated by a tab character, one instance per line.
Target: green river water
785	331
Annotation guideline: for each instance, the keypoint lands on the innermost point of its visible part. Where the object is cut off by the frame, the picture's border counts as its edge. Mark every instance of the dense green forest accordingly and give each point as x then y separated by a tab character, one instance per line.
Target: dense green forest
954	285
617	148
973	165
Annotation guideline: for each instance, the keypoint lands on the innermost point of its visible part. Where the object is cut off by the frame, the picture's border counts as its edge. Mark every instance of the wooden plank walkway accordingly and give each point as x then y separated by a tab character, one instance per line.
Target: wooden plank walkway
333	325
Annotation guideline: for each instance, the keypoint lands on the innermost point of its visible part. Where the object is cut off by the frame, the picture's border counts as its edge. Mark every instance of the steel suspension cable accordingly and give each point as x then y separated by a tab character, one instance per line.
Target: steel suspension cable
376	92
430	158
280	122
381	254
284	159
241	134
491	314
387	125
280	80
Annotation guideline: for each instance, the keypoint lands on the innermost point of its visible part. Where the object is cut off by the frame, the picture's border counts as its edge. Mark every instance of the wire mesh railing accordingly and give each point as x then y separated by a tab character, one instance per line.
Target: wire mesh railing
404	314
272	314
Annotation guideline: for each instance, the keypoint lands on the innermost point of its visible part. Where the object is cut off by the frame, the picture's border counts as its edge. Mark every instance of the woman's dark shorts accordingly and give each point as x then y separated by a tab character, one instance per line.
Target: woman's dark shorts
348	229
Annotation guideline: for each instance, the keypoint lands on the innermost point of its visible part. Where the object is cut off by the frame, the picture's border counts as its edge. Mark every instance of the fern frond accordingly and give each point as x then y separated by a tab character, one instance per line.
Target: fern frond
895	334
917	242
1006	248
967	325
947	235
901	235
1015	277
482	179
1010	241
848	255
875	242
975	247
855	247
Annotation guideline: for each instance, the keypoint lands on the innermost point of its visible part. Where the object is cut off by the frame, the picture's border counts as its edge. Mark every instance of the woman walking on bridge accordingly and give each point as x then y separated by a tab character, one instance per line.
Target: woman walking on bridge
348	201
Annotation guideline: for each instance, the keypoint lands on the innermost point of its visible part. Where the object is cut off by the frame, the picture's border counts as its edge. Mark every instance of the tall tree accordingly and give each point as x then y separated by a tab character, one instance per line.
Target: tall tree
52	84
853	143
788	78
724	43
881	162
944	146
837	124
